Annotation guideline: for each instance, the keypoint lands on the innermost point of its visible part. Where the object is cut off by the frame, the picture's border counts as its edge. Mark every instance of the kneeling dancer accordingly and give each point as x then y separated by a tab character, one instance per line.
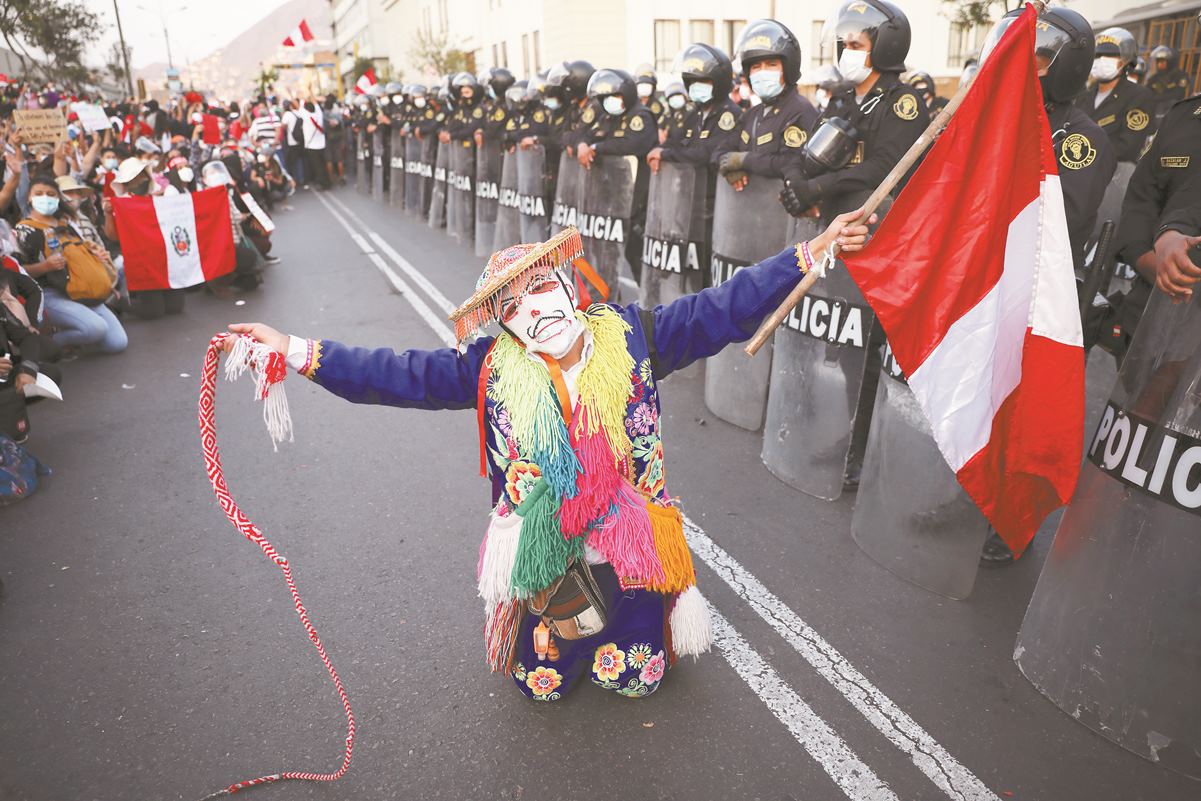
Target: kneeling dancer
584	569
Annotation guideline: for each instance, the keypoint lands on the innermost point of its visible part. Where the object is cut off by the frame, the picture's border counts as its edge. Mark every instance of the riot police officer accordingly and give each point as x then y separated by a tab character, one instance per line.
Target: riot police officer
427	113
710	129
770	136
496	82
671	129
567	97
1168	83
648	84
924	85
468	116
1138	72
866	130
517	102
536	121
1124	110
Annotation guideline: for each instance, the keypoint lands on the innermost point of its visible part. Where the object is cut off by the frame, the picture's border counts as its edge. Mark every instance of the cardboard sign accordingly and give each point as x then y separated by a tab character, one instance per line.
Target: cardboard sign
257	211
41	125
91	117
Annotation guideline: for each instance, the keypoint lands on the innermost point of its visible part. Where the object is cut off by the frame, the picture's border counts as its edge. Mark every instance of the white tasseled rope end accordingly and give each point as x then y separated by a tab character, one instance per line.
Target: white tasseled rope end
246	354
691	631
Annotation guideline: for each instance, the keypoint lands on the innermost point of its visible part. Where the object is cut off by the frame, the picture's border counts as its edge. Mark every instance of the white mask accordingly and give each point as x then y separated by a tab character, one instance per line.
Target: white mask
1105	68
700	92
644	90
614	105
821	99
852	65
551	103
544	321
186	175
676	101
419	102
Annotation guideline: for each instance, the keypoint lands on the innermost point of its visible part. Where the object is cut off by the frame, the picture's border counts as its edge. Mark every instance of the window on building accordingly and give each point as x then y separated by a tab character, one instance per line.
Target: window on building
525	54
821	55
667	43
701	30
442	16
731	29
966	41
495	56
504	54
537	52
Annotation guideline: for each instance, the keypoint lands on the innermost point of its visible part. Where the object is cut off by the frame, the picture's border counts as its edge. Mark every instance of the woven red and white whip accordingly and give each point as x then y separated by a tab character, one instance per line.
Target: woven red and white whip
269	369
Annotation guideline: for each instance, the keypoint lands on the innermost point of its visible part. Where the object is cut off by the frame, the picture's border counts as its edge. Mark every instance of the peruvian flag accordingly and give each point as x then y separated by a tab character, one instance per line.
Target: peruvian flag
175	242
971	276
365	82
299	35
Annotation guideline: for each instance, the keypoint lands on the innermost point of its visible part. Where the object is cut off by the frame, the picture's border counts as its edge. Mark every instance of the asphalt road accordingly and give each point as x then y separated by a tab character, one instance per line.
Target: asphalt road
147	651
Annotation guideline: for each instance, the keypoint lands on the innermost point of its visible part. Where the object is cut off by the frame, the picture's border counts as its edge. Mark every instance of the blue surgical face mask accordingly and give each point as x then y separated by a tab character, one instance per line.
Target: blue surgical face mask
614	105
551	103
44	204
700	92
767	83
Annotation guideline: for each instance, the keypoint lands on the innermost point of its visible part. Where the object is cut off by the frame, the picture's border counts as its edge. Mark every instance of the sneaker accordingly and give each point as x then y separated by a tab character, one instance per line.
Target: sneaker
272	259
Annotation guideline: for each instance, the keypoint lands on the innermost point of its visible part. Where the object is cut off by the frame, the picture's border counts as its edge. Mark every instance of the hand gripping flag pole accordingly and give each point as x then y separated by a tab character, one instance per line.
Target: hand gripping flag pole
269	370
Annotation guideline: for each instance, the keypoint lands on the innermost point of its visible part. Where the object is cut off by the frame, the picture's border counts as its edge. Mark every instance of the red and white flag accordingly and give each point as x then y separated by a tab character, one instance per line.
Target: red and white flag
971	276
299	35
367	80
175	242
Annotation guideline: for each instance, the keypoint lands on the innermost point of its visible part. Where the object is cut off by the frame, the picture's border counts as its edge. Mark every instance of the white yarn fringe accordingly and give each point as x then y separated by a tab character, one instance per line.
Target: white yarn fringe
247	354
691	631
500	554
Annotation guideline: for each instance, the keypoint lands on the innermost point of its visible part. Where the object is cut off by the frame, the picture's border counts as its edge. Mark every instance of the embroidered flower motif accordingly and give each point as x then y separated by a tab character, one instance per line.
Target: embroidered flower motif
646	373
653	670
520	478
519	672
504	423
543	681
641	421
609	662
638	655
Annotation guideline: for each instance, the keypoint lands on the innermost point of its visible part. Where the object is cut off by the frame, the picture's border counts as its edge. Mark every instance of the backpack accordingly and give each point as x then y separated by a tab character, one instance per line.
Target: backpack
19	472
88	278
296	135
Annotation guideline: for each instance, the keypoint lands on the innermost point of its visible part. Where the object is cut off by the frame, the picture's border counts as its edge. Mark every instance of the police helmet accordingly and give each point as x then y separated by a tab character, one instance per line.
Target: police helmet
378	90
417	89
1166	53
922	82
393	88
674	88
1117	42
465	80
702	62
555	78
766	38
536	90
829	79
499	79
885	25
575	82
1063	48
645	73
606	82
515	95
1139	70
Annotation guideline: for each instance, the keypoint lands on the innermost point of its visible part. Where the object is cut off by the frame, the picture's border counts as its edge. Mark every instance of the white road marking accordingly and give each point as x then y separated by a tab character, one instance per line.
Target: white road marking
850	773
429	315
901	730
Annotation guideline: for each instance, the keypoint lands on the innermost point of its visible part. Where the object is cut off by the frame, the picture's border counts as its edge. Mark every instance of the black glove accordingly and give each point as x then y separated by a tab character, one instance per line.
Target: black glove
731	162
799	195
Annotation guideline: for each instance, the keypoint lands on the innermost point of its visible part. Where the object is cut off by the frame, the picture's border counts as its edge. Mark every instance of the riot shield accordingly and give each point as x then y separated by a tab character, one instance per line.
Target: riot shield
1111	201
396	160
487	195
821	355
416	184
437	211
1111	636
508	211
674	243
378	167
911	516
531	193
362	178
748	227
568	190
604	214
462	190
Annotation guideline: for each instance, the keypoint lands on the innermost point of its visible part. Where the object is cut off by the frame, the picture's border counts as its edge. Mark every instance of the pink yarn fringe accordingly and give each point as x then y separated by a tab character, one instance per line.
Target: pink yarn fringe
625	538
596	486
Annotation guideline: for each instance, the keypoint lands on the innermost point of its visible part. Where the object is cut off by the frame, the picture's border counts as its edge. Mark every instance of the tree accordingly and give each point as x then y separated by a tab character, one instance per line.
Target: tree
435	54
266	78
50	36
975	12
115	64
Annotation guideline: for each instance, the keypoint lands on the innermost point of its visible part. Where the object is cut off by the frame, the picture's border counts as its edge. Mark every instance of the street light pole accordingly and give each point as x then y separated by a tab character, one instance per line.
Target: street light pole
124	49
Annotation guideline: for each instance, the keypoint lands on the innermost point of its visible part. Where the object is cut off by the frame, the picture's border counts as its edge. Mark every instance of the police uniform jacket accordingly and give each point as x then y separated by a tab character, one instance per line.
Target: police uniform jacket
1126	115
429	119
889	119
707	134
1087	160
631	133
464	122
772	134
1169	88
535	121
496	118
657	108
573	123
675	121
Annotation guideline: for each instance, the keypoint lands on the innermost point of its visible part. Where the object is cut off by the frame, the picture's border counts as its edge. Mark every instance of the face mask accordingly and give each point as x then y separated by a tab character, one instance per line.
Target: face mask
767	83
44	204
700	92
821	98
676	101
743	92
644	90
186	175
614	105
397	100
852	65
110	164
419	102
552	103
1105	68
544	320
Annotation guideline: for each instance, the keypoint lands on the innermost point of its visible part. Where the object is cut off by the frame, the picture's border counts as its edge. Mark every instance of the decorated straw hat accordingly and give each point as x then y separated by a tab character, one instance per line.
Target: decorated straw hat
518	267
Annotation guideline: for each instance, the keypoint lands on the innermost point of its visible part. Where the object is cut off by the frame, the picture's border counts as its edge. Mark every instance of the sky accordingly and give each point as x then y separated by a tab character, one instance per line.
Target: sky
195	27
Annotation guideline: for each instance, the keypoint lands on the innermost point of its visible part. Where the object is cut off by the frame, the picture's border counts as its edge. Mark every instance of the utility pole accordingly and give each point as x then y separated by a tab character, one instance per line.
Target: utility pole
124	49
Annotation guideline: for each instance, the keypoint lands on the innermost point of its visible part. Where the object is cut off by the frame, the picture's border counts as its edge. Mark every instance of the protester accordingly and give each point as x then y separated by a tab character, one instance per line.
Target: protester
313	131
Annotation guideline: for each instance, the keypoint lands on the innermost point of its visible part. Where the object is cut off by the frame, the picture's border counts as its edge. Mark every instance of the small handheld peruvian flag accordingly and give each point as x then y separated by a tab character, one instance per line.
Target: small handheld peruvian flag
175	242
971	276
365	82
299	35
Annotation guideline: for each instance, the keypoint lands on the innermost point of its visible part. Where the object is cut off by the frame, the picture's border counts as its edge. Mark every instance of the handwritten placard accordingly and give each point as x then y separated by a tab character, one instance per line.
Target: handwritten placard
41	125
91	117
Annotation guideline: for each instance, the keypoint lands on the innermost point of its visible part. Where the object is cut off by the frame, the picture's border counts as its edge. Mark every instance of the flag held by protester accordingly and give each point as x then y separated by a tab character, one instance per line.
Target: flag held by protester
971	276
367	80
299	35
175	242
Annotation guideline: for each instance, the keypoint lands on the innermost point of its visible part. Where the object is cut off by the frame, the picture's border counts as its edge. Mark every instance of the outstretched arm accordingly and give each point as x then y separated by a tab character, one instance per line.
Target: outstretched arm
415	379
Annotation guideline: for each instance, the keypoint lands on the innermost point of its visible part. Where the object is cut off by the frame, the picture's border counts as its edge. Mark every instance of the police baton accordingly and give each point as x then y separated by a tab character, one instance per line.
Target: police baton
768	327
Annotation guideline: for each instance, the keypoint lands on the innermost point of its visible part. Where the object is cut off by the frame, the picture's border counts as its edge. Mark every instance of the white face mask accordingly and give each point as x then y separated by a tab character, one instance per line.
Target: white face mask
767	83
821	99
1105	68
419	102
852	65
644	90
551	103
544	321
186	175
614	105
700	92
676	101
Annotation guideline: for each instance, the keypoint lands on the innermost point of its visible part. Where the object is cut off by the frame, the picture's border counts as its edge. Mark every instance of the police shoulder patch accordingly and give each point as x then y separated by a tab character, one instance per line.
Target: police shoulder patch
1137	119
589	115
726	120
906	107
636	123
511	124
539	116
656	108
746	137
429	113
499	114
1076	152
477	113
440	117
794	136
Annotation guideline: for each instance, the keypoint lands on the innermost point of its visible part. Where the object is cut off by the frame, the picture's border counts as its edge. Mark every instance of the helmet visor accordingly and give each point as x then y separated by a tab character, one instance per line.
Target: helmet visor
1049	39
854	21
